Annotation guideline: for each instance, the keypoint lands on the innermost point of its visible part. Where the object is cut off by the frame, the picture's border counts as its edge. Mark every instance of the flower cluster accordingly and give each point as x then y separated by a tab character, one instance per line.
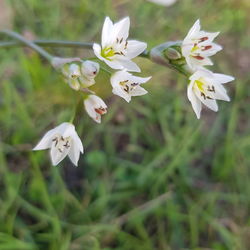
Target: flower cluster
189	57
205	86
117	52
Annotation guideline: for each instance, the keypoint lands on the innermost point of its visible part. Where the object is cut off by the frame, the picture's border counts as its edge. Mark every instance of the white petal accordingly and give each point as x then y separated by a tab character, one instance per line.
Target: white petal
107	31
46	141
74	152
194	30
138	91
221	93
221	78
97	51
57	156
115	64
121	29
210	103
122	94
129	65
135	48
196	104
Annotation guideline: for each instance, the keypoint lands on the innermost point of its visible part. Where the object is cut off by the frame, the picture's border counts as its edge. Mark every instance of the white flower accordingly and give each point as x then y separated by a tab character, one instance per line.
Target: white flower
163	2
127	85
115	50
62	141
206	87
95	107
90	69
198	46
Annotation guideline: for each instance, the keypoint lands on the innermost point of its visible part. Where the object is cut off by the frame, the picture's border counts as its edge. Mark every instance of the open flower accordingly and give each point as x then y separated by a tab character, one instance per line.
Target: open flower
116	51
198	46
62	141
163	2
80	75
206	87
95	107
127	85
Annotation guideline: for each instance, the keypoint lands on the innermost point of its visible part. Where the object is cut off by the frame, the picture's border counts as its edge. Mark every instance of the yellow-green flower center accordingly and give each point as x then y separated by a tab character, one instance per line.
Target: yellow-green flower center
200	84
107	53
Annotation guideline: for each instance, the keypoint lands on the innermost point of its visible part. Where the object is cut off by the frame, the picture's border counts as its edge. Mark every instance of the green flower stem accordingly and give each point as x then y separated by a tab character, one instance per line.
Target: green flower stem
58	43
22	41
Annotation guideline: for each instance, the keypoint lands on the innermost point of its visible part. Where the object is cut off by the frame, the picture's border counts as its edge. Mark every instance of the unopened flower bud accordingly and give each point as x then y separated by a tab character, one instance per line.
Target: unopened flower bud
172	54
90	69
74	71
169	55
95	107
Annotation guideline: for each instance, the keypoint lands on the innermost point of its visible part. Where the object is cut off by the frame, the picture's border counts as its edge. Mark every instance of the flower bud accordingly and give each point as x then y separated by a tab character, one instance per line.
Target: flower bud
74	71
90	69
169	55
172	54
95	107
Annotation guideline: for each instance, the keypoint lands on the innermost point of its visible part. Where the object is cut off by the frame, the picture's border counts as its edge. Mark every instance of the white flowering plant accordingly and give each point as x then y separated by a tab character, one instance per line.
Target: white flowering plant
115	56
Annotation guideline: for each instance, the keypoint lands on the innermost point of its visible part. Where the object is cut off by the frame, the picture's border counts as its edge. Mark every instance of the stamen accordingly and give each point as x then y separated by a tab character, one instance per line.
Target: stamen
126	44
198	57
126	89
101	111
211	89
206	47
203	39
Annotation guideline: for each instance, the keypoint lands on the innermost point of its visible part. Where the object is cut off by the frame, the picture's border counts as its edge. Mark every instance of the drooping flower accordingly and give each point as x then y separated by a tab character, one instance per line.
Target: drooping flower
80	75
206	87
198	46
115	50
62	141
95	107
163	2
127	85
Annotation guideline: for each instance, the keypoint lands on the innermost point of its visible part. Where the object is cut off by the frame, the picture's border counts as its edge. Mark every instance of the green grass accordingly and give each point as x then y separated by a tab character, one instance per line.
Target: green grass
152	176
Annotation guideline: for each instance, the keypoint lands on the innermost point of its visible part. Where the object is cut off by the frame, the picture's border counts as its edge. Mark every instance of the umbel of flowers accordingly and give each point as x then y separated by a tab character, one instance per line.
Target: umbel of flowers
188	57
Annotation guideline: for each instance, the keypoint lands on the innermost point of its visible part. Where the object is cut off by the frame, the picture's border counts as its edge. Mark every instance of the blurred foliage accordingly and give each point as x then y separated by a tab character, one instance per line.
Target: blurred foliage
153	176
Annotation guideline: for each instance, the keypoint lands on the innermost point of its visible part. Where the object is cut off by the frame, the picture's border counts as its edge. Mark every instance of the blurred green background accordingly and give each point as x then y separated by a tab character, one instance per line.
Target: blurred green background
152	176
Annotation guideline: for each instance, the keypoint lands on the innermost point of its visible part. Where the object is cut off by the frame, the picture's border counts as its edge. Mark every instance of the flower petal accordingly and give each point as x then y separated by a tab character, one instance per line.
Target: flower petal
57	156
107	31
135	48
195	102
223	78
121	29
74	153
138	91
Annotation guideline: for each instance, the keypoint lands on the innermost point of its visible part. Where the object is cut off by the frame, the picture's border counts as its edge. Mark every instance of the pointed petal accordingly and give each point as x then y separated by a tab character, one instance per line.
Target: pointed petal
194	30
221	93
138	91
121	29
74	153
135	48
122	94
46	141
129	65
107	31
57	156
210	103
221	78
195	102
